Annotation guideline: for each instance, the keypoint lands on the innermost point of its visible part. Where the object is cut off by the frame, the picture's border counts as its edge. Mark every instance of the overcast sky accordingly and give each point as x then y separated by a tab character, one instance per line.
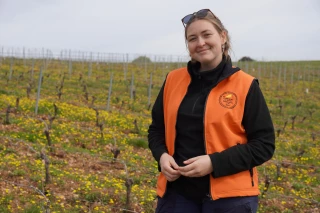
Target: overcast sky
261	29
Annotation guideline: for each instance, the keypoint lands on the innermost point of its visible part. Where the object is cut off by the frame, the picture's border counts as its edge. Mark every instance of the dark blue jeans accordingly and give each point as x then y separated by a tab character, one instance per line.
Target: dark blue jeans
175	203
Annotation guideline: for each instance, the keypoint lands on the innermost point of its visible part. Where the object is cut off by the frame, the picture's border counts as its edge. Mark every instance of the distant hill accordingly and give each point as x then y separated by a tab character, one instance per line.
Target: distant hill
246	58
141	59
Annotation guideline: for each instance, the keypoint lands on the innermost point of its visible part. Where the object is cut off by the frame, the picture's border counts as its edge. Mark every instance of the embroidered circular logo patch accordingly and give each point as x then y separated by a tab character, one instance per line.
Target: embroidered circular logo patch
228	100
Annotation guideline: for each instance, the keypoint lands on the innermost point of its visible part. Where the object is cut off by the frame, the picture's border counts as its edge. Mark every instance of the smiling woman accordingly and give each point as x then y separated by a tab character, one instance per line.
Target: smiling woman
205	44
210	128
206	39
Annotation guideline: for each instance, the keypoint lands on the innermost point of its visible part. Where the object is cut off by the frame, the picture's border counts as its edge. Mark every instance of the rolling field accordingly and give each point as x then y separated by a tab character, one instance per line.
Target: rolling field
74	137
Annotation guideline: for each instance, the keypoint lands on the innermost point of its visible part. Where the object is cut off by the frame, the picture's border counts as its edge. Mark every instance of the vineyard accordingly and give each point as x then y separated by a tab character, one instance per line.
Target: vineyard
74	134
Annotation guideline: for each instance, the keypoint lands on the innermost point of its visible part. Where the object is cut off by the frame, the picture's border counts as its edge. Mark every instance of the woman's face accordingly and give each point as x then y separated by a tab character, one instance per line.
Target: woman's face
204	44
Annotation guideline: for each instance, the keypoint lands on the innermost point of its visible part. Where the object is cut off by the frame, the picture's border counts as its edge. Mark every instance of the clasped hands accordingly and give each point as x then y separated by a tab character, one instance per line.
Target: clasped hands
195	167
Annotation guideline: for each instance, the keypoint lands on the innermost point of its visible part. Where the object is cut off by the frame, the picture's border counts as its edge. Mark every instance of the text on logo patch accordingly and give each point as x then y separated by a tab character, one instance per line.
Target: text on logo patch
228	100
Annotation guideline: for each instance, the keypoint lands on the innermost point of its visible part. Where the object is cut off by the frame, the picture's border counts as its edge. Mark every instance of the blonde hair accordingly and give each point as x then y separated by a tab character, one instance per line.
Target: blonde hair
217	24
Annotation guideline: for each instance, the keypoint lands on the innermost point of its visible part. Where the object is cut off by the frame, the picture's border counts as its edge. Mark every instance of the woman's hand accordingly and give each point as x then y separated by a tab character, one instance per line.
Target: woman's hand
169	167
197	166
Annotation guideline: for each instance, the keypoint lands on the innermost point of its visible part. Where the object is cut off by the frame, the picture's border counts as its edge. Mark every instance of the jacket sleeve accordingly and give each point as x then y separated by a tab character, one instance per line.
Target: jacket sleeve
156	131
260	135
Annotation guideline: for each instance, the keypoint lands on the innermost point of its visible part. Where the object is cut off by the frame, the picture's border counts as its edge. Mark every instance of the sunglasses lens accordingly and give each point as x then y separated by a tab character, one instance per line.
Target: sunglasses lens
187	18
202	13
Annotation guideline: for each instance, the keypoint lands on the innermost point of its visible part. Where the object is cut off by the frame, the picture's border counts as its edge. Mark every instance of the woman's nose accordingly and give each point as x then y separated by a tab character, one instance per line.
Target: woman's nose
201	41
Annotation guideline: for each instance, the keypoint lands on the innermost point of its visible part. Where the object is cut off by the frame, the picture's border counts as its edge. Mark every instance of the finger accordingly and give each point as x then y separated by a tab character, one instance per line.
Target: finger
170	177
174	164
173	171
187	168
173	167
189	173
191	160
175	178
192	173
169	170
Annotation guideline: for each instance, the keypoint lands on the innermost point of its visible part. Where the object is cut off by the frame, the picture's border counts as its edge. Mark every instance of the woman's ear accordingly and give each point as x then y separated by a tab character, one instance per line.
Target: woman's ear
223	36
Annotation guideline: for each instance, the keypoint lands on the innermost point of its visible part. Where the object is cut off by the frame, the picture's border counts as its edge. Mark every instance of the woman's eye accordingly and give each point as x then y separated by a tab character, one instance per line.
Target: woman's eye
192	39
207	35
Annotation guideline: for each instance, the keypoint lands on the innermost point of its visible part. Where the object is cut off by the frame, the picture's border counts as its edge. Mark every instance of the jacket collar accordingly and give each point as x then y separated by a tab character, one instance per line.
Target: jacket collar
222	71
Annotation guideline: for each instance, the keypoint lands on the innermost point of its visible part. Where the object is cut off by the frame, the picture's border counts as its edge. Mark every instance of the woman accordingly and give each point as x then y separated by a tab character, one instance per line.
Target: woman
210	128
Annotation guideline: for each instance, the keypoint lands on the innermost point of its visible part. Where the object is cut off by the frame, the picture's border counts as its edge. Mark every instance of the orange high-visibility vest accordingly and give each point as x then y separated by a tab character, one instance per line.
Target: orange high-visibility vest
223	115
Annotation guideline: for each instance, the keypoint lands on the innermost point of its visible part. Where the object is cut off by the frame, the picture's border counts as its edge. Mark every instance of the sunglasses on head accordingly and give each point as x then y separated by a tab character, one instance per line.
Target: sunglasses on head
200	14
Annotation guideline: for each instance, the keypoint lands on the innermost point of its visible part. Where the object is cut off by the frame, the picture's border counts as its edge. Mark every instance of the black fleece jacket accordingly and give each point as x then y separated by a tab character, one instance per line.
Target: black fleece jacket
189	127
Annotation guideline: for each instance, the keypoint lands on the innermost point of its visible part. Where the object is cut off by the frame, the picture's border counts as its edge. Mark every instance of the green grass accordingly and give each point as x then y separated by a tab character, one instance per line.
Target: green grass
139	142
82	170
